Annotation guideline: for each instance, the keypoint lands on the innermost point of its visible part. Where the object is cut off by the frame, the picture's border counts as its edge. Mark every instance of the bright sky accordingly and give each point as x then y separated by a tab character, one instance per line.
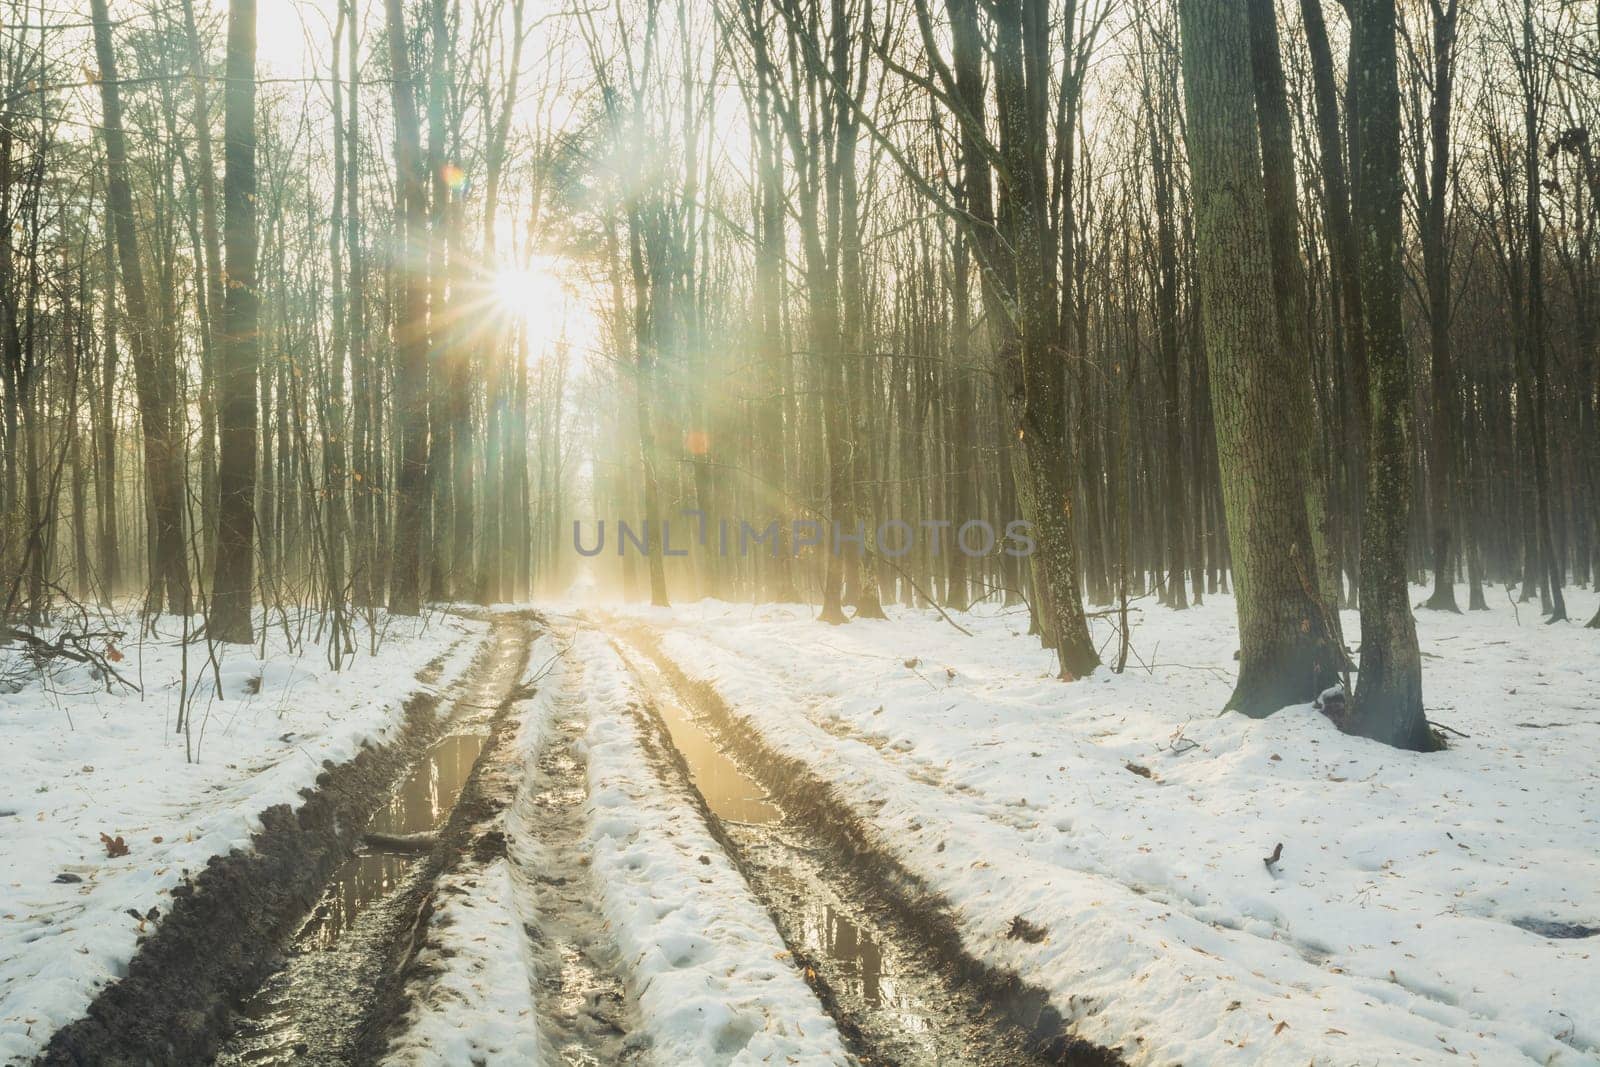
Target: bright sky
282	29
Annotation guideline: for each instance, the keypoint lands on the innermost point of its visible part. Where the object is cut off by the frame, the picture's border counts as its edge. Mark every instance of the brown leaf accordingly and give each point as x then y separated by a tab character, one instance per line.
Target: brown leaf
1280	1028
1141	771
115	846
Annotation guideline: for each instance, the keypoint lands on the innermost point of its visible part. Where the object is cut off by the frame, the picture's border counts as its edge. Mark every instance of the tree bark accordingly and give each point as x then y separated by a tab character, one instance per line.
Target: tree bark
411	330
1537	380
240	356
213	287
1032	371
1287	654
1289	286
1388	698
1436	269
105	425
1344	267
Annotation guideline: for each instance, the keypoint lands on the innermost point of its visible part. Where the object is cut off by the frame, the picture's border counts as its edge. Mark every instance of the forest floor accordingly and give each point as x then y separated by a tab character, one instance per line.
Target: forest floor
726	834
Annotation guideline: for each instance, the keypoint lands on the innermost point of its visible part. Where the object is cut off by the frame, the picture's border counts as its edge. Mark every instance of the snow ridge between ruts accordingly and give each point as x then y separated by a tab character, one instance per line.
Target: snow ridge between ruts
711	973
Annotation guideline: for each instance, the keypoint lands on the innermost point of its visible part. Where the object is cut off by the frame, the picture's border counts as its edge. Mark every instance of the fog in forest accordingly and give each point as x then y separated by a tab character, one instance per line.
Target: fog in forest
811	531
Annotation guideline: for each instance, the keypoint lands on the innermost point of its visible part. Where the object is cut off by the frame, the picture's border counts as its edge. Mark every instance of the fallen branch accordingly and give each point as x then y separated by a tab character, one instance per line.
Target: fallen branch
68	646
408	843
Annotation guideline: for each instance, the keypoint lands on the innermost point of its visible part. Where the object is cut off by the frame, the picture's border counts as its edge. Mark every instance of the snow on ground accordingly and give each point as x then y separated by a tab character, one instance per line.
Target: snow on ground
712	976
700	955
77	762
1387	931
476	1004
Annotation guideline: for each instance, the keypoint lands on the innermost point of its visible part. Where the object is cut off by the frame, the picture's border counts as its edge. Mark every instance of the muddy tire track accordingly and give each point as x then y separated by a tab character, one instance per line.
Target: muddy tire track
339	986
586	1013
918	996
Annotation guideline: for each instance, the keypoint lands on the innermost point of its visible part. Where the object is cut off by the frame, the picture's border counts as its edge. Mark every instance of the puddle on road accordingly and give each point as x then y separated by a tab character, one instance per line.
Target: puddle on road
825	925
268	1031
421	804
730	794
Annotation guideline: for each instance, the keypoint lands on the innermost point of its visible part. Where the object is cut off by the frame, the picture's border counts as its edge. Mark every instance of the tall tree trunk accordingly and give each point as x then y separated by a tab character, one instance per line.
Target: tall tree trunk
105	426
1436	270
411	329
1170	366
154	375
645	338
442	331
335	472
212	288
1388	698
1344	262
779	567
366	561
1287	654
1289	284
1538	383
964	459
855	367
492	571
1033	374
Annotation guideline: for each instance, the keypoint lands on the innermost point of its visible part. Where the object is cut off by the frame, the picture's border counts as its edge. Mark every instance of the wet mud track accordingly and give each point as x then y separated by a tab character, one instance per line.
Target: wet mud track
586	1015
226	927
881	951
331	959
337	987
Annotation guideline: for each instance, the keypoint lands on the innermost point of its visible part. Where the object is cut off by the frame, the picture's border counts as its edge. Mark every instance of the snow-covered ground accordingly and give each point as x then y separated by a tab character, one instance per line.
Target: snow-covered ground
1131	822
474	1000
77	762
475	1003
1406	919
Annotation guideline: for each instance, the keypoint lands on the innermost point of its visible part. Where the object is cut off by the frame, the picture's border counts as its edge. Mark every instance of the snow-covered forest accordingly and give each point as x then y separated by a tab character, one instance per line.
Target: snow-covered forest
799	531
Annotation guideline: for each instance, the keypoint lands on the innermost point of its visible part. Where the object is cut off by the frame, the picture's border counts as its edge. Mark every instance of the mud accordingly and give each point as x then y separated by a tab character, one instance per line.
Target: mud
302	949
881	949
339	988
586	1015
224	928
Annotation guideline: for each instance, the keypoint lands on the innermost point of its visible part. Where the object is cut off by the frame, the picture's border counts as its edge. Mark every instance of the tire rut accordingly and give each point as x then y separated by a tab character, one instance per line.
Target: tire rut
586	1014
338	988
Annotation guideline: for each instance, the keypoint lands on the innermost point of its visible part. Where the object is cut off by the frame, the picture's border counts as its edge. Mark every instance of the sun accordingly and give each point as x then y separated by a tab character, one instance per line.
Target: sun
533	291
549	303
